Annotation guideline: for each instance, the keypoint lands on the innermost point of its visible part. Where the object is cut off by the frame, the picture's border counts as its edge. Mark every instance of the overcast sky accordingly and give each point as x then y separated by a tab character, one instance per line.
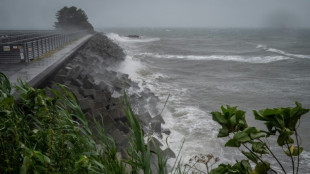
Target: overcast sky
40	14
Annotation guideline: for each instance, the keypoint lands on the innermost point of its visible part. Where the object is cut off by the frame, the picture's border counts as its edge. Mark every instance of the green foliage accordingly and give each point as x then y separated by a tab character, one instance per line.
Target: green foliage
71	18
41	134
294	151
240	167
230	119
280	122
140	152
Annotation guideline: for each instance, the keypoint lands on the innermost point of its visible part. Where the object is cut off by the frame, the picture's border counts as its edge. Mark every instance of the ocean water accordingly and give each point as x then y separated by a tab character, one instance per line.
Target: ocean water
202	69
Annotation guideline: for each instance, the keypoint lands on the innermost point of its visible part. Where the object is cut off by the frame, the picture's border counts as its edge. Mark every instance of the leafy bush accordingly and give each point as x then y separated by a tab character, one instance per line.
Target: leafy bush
41	134
280	122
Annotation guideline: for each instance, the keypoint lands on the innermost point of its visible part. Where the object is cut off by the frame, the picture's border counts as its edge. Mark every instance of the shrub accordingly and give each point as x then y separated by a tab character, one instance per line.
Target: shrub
280	122
42	134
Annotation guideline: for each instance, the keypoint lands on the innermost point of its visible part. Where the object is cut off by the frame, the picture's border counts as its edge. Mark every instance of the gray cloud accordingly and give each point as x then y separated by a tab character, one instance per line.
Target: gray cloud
40	14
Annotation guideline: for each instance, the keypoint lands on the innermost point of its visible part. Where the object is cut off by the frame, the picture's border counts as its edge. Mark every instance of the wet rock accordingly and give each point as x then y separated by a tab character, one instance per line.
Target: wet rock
86	105
166	131
156	126
109	124
87	83
101	96
157	144
60	79
159	119
121	139
133	36
76	82
122	127
145	118
88	92
169	153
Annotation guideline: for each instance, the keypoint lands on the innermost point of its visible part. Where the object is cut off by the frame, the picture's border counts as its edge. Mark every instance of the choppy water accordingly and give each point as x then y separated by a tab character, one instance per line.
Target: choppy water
203	69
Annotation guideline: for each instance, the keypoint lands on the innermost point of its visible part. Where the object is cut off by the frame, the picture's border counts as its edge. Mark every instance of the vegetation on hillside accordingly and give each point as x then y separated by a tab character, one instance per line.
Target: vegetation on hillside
72	18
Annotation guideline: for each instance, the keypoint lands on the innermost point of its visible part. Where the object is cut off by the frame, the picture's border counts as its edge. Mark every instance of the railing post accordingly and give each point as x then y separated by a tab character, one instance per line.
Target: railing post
33	52
38	49
25	51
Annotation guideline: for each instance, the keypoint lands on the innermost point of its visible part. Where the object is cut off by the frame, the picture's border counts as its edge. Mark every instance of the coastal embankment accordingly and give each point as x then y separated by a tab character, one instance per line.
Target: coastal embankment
93	77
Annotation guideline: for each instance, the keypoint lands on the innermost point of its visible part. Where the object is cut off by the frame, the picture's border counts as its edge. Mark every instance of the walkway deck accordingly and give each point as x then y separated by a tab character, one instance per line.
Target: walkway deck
37	71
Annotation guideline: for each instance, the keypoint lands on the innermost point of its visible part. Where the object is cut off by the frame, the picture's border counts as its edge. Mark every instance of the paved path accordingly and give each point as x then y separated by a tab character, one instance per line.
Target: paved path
37	71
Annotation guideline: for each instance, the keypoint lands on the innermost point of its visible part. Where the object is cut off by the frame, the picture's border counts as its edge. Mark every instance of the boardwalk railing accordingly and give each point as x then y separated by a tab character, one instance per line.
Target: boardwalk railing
24	46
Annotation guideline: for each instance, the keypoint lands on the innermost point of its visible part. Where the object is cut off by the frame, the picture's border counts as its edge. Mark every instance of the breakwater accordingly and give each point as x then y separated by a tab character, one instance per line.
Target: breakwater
92	76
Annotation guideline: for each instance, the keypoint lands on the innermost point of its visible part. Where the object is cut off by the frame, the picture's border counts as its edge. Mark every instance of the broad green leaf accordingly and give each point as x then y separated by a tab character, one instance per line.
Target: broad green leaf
241	167
242	124
246	165
232	143
257	135
294	151
261	168
223	132
284	138
250	156
251	130
280	121
236	167
258	116
233	120
224	110
240	115
259	147
218	117
242	137
222	168
270	112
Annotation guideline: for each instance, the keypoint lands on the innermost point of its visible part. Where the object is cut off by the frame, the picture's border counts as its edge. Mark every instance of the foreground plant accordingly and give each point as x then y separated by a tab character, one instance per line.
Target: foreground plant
42	134
140	151
280	122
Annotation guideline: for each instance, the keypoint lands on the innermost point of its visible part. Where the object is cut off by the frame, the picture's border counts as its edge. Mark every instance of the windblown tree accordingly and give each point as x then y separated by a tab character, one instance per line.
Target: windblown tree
72	18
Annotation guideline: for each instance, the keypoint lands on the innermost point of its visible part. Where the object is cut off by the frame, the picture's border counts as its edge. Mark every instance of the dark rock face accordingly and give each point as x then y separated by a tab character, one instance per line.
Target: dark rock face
89	77
133	36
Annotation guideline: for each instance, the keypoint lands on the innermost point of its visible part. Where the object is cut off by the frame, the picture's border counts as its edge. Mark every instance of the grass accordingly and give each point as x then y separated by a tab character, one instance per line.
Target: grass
42	134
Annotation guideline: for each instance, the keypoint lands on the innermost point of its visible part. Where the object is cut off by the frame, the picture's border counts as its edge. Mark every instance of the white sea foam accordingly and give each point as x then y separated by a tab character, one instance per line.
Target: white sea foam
257	59
118	38
281	52
130	66
185	121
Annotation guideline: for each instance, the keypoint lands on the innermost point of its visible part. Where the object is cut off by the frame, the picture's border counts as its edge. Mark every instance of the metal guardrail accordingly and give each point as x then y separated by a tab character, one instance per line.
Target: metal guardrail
24	46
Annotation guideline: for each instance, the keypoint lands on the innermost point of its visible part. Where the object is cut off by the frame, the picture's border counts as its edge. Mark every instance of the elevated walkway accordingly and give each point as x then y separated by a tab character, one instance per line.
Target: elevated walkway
37	71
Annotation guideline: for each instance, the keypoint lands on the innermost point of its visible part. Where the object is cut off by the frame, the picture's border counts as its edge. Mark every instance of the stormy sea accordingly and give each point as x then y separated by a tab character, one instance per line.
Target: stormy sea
202	69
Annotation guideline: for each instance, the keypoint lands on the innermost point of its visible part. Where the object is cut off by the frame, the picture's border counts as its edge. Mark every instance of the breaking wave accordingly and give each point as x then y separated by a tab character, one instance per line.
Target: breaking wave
119	38
273	50
257	59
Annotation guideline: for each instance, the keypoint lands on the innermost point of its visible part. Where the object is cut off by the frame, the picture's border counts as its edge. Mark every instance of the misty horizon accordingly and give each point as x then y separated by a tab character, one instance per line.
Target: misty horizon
40	14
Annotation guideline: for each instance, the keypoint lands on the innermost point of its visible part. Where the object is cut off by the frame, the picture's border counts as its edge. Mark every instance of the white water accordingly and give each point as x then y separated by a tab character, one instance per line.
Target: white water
266	48
185	120
119	38
265	59
187	123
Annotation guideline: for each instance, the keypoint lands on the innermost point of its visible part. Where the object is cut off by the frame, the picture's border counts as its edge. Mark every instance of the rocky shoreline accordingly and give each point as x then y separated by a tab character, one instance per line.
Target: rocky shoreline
90	75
